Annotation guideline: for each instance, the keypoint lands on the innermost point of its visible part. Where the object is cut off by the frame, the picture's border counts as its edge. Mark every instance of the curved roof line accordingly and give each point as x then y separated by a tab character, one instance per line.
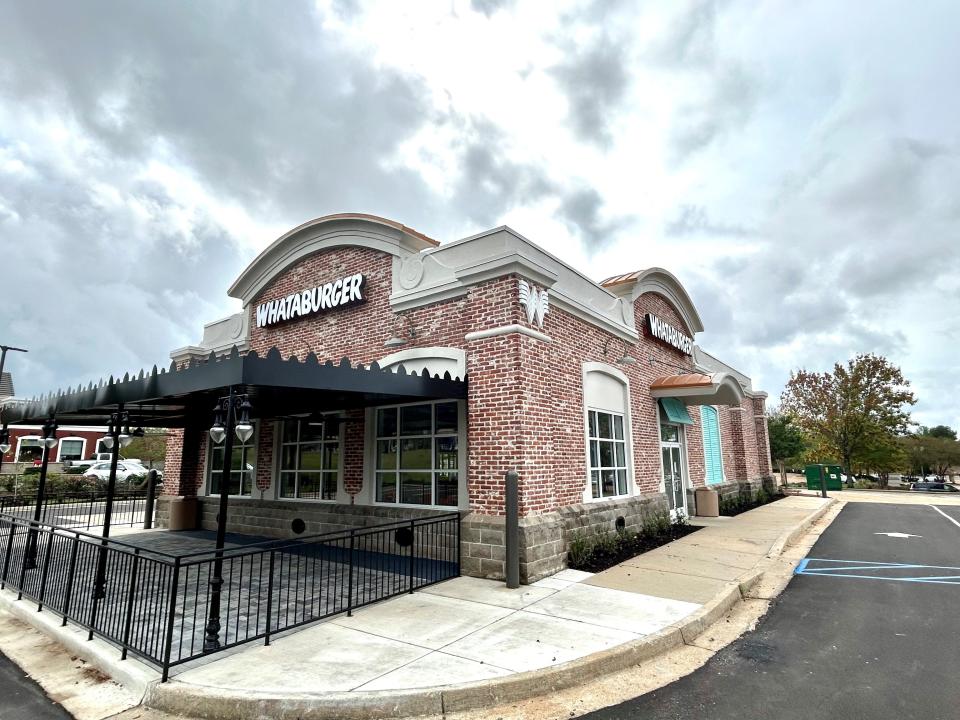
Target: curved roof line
664	283
313	236
700	389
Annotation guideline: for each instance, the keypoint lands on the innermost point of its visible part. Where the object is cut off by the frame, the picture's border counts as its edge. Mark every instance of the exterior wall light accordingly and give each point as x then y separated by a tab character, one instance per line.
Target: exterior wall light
400	336
217	431
49	435
626	358
244	428
4	440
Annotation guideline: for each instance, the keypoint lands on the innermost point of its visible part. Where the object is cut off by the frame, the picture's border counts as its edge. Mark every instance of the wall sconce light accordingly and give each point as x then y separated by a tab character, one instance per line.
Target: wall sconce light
401	337
626	358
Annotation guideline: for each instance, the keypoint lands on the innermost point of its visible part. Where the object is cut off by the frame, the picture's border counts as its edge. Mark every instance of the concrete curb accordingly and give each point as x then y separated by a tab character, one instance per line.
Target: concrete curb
791	536
132	674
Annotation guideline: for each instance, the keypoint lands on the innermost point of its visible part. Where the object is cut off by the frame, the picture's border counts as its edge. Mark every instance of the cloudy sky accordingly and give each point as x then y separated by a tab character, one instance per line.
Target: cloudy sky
796	164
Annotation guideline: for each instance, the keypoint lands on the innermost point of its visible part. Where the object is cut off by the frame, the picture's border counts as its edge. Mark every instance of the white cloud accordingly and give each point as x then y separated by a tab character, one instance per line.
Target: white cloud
795	170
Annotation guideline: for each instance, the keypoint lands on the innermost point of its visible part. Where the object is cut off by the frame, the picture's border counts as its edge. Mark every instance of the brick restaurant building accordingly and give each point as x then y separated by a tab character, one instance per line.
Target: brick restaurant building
595	393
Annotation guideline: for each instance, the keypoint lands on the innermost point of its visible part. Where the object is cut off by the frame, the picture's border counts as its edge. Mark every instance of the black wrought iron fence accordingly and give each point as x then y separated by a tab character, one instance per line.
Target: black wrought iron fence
82	509
156	606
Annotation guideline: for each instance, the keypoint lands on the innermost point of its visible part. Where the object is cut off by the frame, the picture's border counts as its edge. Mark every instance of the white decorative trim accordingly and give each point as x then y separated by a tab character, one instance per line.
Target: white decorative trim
323	234
721	386
616	373
424	355
535	302
83	448
507	330
621	377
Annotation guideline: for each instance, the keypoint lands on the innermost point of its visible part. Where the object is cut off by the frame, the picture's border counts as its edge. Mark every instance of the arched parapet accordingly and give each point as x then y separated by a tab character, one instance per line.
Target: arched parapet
436	361
325	233
661	282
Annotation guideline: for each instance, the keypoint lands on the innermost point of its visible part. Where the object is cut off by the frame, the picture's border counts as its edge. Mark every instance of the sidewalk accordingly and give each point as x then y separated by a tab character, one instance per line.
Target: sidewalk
468	642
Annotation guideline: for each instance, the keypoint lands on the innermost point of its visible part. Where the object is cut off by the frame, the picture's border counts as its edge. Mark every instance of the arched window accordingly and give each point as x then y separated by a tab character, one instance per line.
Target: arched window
606	396
712	451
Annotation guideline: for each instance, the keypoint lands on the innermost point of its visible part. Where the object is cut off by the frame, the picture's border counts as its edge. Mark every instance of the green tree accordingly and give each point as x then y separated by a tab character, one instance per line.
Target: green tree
786	441
851	409
931	454
939	431
151	448
884	455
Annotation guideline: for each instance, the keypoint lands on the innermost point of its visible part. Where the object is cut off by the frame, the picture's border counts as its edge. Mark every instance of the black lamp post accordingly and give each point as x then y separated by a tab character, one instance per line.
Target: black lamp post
118	436
4	442
231	415
47	443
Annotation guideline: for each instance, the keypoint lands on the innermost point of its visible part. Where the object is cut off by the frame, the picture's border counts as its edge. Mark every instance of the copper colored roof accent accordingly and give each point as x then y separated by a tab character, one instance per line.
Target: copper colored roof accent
620	279
688	380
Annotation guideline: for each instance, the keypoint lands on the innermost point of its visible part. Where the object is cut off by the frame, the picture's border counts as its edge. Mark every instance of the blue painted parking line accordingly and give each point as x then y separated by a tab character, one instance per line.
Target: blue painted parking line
844	569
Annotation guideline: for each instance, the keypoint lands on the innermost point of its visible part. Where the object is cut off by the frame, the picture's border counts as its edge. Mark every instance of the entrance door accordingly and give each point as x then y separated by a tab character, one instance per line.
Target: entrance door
673	480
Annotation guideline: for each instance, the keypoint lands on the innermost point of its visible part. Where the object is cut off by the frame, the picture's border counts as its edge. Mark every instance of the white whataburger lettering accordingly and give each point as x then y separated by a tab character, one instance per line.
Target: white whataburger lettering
669	334
535	301
344	291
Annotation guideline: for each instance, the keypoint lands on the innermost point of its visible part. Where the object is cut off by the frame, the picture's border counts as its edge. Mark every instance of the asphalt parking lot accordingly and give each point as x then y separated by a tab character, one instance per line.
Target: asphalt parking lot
22	699
869	628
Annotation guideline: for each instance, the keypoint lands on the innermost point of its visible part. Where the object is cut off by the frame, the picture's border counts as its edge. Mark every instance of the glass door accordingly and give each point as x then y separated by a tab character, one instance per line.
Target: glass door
672	456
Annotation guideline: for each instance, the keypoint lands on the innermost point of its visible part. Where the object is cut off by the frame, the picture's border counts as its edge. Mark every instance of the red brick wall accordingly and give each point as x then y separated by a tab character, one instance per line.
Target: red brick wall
525	397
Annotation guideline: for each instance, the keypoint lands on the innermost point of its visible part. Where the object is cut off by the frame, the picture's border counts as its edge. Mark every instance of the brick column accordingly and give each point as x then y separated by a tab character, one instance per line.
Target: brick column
763	438
183	464
737	441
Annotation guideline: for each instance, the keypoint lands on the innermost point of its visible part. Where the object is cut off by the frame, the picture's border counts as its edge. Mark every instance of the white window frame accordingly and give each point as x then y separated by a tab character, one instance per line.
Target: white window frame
620	377
340	496
83	446
684	456
16	457
616	468
208	466
723	468
369	491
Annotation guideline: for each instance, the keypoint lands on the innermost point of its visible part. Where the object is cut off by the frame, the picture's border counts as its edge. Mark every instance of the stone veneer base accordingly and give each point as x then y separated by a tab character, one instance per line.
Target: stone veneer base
544	538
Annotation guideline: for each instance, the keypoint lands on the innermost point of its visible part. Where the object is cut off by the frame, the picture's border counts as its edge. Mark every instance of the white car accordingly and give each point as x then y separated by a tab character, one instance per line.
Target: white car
101	471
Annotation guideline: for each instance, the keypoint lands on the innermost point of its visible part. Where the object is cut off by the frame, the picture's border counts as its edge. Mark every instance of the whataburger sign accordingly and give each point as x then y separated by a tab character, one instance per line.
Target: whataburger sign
340	293
667	333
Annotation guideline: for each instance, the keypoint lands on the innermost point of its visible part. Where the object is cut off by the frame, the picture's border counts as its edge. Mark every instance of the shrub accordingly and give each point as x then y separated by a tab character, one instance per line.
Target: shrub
603	549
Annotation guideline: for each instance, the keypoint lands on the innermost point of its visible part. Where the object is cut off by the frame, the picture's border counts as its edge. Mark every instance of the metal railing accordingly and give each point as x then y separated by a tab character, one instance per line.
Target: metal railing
155	605
83	509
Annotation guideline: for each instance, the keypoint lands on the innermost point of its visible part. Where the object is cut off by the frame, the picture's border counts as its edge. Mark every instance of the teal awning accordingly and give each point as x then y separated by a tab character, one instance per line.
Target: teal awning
675	411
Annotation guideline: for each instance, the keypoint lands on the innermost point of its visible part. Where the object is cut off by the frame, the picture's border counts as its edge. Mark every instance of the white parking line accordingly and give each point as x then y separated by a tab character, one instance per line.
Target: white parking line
945	515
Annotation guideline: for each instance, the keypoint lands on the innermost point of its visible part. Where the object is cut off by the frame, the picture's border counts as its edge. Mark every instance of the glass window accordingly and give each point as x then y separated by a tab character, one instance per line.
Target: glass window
417	454
607	454
243	467
310	459
669	433
71	450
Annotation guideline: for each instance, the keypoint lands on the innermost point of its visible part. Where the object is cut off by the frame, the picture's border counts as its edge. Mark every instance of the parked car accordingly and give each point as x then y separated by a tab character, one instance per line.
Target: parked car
125	471
935	487
141	467
97	458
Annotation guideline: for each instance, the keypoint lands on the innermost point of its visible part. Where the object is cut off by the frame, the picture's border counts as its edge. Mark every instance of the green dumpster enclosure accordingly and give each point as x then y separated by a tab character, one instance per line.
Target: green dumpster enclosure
833	474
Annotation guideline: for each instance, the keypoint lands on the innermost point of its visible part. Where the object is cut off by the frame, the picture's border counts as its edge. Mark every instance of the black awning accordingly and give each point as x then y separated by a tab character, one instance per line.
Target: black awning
276	388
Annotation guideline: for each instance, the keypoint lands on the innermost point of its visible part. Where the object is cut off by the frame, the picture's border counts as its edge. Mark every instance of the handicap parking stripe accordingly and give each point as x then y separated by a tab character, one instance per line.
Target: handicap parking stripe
843	568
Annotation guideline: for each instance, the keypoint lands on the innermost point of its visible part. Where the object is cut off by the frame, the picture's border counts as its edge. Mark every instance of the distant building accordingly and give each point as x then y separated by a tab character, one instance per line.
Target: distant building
6	386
